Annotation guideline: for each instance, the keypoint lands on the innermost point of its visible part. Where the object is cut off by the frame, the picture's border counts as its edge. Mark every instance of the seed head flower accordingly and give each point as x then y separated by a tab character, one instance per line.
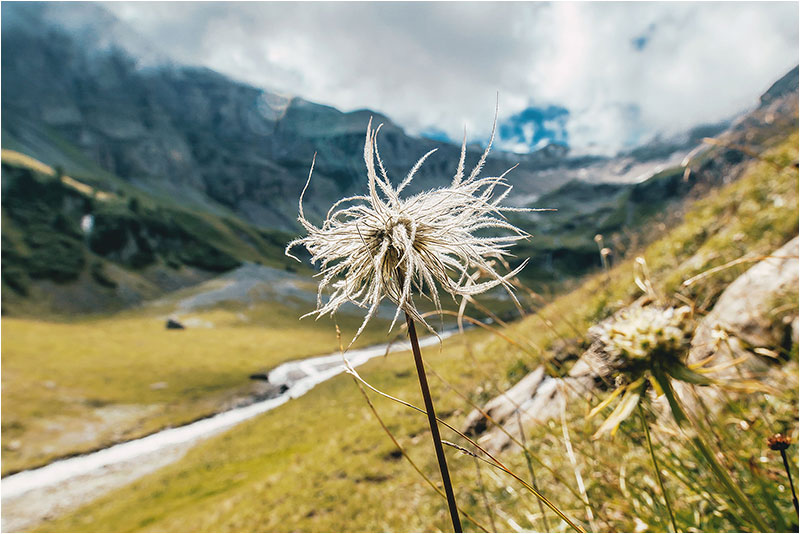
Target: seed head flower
649	333
379	245
644	344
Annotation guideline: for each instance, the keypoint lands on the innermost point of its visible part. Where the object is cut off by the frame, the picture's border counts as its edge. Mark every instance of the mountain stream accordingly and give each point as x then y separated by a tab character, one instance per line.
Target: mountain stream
31	496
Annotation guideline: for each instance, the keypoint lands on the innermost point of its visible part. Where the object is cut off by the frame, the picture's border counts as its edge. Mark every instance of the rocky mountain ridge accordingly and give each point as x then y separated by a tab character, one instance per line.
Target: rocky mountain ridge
193	134
206	171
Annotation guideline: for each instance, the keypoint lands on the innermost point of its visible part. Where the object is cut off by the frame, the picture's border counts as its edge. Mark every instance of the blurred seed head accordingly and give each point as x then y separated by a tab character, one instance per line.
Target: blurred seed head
647	334
637	343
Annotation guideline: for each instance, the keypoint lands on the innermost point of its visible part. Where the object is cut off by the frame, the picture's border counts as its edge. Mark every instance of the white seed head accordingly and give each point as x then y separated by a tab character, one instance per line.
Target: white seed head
380	245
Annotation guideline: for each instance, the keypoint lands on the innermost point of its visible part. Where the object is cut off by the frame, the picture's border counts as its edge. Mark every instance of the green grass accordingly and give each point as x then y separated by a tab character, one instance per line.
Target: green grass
563	246
322	463
74	386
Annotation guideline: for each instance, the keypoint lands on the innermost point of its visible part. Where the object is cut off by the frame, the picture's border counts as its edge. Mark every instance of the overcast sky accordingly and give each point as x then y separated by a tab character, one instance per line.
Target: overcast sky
625	71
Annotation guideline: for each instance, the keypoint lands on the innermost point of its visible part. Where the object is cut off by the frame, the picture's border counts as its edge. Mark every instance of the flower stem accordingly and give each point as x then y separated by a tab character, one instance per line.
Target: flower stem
791	482
437	440
655	467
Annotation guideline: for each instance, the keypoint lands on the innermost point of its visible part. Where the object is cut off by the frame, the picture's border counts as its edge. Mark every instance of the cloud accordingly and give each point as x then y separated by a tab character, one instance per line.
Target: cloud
625	71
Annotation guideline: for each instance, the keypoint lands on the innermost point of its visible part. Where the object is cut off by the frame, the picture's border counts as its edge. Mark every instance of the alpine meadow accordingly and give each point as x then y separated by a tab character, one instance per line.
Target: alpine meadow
400	267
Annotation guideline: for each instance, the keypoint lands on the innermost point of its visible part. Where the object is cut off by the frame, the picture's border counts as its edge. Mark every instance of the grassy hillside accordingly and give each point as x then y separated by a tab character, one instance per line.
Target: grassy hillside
138	246
628	215
625	215
322	463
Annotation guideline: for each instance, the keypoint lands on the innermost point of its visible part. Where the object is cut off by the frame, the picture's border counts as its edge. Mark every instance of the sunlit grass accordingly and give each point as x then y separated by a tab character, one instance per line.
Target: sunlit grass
319	463
77	385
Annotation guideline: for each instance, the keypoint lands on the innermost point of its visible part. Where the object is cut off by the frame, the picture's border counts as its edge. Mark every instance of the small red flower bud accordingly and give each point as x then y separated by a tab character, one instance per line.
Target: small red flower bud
779	442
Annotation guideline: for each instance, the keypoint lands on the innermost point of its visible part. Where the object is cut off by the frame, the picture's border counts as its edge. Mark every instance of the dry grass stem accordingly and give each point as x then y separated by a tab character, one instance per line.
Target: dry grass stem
397	443
728	265
530	469
574	461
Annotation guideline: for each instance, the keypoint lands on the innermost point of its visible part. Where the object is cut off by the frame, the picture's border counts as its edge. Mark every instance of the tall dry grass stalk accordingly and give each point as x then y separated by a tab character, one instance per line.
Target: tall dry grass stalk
657	470
397	443
490	458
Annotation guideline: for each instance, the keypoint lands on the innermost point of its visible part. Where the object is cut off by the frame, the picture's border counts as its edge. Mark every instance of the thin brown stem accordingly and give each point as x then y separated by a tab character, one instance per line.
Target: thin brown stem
407	457
791	482
505	431
437	440
397	443
573	460
483	494
472	442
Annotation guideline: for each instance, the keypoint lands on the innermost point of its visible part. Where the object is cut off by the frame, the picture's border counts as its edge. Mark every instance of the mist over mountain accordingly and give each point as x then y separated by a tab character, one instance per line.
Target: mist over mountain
75	75
97	30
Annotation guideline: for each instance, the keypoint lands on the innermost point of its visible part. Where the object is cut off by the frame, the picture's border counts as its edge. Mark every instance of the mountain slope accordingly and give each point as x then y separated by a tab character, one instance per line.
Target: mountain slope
621	217
235	157
71	247
187	132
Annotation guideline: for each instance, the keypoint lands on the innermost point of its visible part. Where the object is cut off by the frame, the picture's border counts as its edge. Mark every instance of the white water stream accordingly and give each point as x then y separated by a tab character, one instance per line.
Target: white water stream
298	376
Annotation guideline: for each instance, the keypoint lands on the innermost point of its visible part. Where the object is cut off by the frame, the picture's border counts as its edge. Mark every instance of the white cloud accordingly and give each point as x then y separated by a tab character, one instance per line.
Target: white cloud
441	64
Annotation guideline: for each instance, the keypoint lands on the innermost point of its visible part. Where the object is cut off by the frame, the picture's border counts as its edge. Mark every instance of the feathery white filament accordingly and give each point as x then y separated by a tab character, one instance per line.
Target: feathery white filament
378	245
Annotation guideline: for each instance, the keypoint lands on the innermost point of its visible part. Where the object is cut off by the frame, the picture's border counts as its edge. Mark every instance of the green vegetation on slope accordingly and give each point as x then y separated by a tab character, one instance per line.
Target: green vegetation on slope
43	240
564	247
321	463
624	214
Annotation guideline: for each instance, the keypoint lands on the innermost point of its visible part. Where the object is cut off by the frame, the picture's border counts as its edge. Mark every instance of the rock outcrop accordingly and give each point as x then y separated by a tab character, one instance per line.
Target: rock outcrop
744	310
